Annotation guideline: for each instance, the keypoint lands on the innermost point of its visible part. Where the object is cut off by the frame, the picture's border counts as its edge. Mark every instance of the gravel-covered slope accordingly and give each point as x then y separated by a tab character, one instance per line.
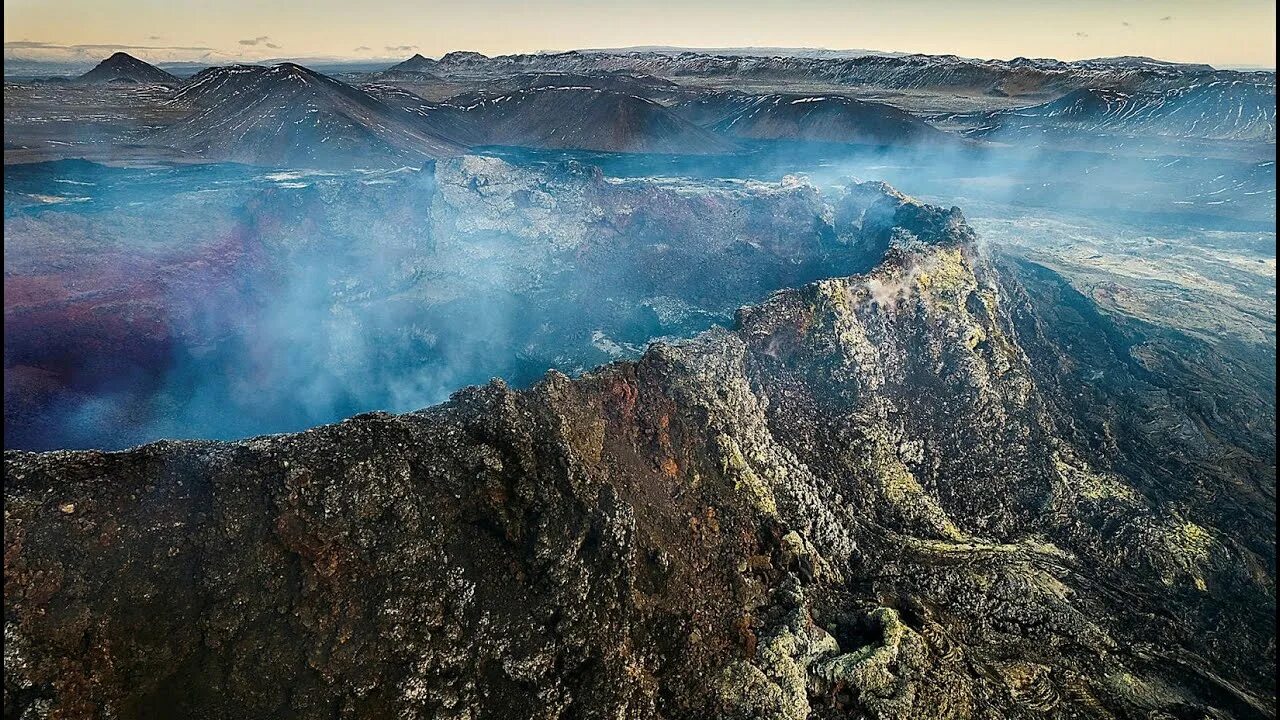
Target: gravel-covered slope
877	496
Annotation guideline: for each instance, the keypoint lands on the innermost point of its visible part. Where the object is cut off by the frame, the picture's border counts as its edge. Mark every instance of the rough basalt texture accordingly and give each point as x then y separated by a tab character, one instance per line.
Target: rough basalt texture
883	496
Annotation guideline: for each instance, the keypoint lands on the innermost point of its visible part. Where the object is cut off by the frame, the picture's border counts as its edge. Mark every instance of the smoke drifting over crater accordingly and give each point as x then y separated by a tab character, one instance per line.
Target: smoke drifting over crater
223	301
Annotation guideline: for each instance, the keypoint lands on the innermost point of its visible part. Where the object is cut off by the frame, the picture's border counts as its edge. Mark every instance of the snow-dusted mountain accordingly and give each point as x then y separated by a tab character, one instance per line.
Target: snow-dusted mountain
289	115
1218	109
586	118
1019	76
813	118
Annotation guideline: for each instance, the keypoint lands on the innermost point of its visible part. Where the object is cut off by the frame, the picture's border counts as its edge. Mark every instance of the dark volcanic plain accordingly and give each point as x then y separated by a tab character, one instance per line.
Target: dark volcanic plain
772	440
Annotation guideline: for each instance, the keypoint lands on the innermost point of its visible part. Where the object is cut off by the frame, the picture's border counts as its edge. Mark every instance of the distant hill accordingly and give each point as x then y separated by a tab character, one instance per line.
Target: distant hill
1140	61
125	68
415	64
585	118
442	118
1219	109
289	115
823	118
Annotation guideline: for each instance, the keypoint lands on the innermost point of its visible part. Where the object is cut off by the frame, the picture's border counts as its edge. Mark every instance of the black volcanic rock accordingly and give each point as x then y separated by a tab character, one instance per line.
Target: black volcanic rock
891	496
125	68
289	115
826	118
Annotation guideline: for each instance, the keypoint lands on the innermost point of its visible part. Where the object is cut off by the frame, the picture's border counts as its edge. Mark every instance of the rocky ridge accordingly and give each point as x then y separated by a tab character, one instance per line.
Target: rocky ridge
1019	76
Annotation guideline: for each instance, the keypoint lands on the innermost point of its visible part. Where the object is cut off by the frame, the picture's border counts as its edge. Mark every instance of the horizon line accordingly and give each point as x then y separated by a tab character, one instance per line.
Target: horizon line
234	58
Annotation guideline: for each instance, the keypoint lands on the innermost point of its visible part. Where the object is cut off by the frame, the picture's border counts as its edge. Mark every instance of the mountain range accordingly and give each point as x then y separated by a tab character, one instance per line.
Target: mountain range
287	115
1019	76
663	102
582	117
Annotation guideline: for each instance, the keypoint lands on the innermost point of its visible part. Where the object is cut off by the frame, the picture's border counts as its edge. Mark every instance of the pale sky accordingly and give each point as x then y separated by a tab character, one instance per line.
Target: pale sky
1234	32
